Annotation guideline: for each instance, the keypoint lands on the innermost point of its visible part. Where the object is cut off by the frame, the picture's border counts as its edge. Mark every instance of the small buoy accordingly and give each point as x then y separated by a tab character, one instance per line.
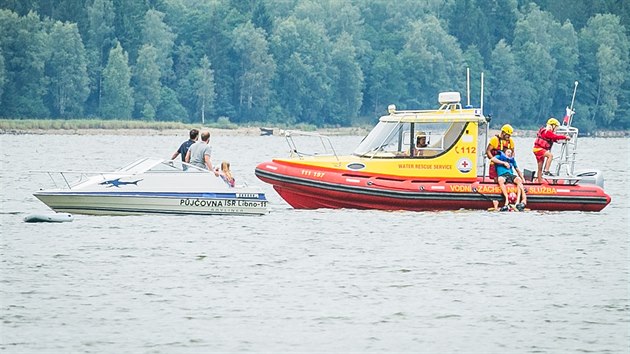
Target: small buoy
53	217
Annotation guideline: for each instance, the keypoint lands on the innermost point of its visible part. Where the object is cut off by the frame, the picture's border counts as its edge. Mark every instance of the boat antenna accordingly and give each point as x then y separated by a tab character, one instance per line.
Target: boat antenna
487	127
467	87
481	94
570	118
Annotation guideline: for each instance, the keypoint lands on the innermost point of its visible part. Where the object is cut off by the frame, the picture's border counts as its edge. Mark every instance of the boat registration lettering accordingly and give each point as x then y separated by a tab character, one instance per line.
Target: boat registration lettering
223	203
316	174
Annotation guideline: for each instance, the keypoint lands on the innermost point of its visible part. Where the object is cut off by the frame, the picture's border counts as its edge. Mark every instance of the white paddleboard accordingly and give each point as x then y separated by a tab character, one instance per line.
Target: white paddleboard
52	217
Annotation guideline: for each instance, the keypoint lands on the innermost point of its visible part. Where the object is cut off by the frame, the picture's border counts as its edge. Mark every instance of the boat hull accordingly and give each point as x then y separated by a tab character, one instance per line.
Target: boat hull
118	203
305	188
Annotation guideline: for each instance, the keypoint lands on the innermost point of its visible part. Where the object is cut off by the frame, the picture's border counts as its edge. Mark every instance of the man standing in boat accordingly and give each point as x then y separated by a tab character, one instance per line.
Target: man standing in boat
499	142
542	147
200	152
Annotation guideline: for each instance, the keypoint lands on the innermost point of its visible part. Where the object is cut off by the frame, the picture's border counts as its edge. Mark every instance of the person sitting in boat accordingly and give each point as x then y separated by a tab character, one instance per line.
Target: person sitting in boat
200	152
226	174
542	147
421	143
505	170
497	143
183	148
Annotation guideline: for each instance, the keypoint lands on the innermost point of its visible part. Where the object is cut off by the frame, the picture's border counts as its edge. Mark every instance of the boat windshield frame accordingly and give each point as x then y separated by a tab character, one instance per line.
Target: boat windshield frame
394	135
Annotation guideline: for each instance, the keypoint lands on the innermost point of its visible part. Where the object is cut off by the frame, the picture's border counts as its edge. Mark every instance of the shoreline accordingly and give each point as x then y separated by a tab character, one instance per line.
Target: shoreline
251	131
243	131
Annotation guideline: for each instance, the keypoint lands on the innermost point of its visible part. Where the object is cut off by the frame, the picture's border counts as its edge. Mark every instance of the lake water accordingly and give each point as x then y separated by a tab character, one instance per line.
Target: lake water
306	280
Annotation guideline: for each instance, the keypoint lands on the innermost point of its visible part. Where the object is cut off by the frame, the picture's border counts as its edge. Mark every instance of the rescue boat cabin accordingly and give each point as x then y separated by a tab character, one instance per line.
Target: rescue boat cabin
447	143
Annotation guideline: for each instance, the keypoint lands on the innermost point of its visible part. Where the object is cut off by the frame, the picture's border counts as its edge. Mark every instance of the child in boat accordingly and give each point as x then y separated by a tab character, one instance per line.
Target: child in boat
226	174
505	173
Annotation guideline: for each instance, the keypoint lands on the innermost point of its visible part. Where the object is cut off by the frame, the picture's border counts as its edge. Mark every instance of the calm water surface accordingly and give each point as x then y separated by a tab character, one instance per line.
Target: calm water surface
304	281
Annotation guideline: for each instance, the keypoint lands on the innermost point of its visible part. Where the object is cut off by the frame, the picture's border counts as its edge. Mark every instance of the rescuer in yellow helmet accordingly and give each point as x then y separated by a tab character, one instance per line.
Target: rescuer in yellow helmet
499	142
542	147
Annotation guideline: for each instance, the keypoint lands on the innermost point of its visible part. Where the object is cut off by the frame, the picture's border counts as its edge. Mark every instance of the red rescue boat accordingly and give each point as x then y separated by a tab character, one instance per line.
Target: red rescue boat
423	160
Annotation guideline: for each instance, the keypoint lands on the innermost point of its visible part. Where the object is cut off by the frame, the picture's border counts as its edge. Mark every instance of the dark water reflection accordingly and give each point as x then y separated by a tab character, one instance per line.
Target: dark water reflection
296	280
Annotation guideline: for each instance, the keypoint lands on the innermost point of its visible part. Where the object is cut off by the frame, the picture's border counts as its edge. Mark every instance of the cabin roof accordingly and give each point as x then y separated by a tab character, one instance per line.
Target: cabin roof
436	116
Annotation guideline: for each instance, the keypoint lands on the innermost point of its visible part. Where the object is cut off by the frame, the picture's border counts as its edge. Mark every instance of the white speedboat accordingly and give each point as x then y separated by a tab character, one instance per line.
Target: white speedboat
151	186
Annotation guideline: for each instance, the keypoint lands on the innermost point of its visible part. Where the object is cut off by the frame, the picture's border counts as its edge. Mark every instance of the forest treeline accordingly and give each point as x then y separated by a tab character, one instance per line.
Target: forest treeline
319	62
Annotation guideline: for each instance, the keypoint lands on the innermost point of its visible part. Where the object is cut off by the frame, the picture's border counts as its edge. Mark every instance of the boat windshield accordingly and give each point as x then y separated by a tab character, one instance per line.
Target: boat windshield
409	139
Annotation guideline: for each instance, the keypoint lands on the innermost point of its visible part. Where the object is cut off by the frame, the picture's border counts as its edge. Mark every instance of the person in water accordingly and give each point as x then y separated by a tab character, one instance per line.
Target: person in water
226	174
505	171
542	147
497	143
183	148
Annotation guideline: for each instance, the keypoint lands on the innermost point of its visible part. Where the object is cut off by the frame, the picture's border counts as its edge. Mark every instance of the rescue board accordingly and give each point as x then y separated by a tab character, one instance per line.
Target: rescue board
52	217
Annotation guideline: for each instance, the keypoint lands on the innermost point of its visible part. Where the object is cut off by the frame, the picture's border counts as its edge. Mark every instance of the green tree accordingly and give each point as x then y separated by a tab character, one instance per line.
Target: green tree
67	71
470	24
256	70
207	27
159	35
566	53
346	83
99	41
117	101
183	65
432	62
146	82
604	59
538	68
534	46
504	88
128	22
3	76
303	81
262	19
337	17
169	108
204	88
24	44
384	83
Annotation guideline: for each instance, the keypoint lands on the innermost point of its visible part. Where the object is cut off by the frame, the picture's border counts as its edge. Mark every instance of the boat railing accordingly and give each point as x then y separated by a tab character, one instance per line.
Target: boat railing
326	144
71	179
565	162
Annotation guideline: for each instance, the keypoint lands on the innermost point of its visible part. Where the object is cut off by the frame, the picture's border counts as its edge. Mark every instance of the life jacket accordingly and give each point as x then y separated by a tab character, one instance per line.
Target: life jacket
503	145
541	142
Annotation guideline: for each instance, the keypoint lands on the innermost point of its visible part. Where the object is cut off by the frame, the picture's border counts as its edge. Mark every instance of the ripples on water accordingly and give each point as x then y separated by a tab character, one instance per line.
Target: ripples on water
298	280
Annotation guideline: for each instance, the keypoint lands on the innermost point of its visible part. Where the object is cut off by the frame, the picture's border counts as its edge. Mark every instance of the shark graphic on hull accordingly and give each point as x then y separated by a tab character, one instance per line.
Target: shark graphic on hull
117	183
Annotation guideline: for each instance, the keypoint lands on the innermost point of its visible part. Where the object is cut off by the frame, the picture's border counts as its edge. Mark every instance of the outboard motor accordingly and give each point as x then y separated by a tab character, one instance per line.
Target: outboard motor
591	177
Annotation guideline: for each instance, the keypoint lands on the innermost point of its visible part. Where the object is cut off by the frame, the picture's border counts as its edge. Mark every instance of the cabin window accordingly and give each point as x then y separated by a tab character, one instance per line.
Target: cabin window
409	139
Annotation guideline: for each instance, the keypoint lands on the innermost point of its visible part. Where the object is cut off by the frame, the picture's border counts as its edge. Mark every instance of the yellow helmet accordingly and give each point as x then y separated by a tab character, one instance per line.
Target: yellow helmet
507	129
553	121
